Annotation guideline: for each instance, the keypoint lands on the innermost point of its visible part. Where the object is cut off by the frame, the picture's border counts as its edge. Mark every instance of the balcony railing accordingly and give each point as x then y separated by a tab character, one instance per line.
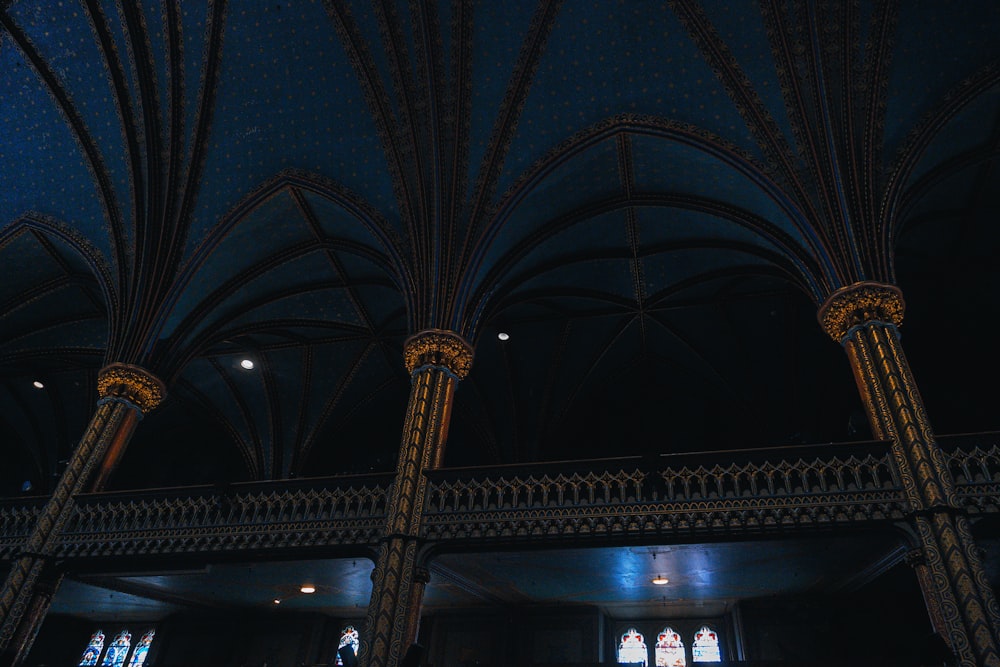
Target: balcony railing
678	496
672	496
974	461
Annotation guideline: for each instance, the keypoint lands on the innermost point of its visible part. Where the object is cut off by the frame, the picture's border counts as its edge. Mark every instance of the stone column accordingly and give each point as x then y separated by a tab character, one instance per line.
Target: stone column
125	394
436	360
863	318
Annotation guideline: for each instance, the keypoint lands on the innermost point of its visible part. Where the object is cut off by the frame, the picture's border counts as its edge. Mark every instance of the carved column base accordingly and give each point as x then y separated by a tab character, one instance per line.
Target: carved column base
393	613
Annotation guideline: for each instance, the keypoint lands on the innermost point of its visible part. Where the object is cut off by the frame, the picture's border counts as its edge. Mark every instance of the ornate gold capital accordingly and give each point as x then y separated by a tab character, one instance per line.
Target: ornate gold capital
132	383
436	347
859	303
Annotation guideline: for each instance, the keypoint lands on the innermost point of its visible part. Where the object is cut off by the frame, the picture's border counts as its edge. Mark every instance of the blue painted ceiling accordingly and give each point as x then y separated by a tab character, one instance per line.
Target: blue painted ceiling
650	198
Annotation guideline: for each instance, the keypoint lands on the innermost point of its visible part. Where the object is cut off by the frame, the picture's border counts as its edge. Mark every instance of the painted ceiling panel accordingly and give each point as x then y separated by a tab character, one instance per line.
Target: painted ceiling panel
28	266
274	227
62	35
966	138
742	28
239	403
936	210
338	220
194	22
500	30
938	44
283	108
382	304
604	278
591	176
605	60
67	318
662	225
364	25
593	235
50	176
672	167
328	307
665	270
273	296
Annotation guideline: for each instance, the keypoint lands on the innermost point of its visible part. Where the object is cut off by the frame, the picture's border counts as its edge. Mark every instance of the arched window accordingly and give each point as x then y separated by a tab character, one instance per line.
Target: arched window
632	649
115	655
706	646
141	649
348	637
670	649
93	650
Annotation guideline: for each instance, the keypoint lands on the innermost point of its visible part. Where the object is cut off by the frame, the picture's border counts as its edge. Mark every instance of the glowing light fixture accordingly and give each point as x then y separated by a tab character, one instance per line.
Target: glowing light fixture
247	364
37	385
277	601
503	335
308	588
660	580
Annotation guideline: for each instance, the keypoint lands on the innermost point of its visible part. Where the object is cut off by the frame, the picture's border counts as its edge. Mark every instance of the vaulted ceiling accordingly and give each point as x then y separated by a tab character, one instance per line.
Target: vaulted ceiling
650	199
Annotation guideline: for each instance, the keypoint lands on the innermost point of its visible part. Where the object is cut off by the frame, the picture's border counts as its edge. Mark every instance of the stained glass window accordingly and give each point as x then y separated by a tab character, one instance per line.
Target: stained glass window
115	655
141	649
348	637
670	649
633	648
93	650
706	646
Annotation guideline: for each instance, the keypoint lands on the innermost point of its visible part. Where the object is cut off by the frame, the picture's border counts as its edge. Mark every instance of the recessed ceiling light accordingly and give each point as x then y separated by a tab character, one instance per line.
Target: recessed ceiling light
308	588
277	601
37	385
503	335
247	364
660	580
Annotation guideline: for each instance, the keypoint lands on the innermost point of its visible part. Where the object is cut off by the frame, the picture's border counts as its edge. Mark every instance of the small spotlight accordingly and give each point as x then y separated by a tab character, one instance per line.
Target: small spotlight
37	385
503	335
308	588
660	580
277	600
247	364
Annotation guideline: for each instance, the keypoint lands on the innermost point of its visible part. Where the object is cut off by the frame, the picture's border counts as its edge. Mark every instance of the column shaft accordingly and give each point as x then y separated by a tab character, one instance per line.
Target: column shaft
961	604
436	360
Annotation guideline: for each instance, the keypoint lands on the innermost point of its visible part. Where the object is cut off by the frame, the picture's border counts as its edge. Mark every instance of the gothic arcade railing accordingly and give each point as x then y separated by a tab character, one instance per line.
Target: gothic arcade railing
721	493
339	511
974	461
17	518
677	496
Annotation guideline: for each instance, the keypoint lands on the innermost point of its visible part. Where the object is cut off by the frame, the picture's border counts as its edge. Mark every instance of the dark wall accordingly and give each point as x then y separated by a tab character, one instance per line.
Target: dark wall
513	636
62	640
884	623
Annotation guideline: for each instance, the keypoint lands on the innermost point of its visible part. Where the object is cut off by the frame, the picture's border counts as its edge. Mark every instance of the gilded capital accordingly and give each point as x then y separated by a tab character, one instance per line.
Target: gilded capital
436	347
859	303
131	383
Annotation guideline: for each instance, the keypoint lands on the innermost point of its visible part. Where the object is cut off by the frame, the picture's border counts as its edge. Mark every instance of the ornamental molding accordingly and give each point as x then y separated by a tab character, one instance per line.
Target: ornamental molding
436	347
131	383
486	508
859	303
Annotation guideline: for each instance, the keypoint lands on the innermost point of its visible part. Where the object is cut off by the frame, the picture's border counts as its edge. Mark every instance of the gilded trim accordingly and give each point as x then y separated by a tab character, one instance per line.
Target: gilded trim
859	303
436	347
132	384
